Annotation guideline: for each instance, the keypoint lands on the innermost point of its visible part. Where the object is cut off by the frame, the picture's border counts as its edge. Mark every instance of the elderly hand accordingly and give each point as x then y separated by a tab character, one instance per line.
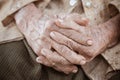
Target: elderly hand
96	38
36	28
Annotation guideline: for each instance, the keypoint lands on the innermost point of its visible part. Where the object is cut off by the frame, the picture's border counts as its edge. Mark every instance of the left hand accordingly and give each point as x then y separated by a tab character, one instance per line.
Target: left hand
36	28
98	37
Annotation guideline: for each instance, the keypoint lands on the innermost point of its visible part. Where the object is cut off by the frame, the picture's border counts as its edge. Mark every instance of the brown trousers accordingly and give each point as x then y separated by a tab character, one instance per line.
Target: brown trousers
17	62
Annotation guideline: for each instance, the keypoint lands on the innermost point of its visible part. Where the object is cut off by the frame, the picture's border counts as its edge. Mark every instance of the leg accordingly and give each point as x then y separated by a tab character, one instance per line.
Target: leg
16	63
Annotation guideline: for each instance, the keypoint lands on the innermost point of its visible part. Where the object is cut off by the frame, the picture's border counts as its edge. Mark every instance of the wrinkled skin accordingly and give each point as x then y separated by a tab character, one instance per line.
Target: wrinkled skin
100	37
36	28
64	40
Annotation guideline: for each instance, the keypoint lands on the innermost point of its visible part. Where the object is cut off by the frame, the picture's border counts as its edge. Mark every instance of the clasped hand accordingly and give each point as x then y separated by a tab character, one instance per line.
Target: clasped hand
61	41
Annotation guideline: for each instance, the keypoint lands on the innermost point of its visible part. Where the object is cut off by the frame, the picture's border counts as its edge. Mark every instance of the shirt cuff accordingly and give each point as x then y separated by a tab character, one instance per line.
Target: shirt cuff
8	9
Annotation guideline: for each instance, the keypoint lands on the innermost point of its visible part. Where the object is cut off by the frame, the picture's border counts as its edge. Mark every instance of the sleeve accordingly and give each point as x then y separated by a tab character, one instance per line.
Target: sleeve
112	55
114	7
8	29
9	7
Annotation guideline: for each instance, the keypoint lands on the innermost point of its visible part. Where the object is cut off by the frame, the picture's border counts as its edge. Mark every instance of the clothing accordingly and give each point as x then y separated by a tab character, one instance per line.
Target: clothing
97	11
18	63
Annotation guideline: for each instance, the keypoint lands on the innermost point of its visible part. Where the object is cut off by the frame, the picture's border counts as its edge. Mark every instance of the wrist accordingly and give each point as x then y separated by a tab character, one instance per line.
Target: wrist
112	30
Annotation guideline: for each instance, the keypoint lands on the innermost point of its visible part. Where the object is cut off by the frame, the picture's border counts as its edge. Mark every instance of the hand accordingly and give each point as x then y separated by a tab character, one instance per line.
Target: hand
36	28
95	39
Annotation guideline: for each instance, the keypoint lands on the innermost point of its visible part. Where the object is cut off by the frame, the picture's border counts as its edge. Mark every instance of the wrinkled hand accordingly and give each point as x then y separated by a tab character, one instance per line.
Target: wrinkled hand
86	41
36	28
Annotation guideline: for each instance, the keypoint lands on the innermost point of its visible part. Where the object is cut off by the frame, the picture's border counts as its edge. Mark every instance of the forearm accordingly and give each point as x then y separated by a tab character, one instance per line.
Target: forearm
28	19
111	29
114	23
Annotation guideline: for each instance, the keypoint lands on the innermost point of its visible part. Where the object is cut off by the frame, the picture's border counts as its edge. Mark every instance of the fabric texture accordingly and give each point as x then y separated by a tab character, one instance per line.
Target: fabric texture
18	63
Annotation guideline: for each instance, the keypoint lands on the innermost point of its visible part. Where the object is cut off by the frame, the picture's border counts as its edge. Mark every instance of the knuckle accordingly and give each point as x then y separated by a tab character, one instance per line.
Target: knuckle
69	43
43	38
48	28
63	48
63	61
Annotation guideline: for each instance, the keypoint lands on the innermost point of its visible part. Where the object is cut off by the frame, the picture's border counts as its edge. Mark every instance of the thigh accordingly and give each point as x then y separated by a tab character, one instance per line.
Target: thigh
16	62
55	75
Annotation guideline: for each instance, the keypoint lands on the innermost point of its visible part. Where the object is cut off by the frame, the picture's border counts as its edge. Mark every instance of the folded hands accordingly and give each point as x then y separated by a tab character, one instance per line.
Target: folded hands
63	41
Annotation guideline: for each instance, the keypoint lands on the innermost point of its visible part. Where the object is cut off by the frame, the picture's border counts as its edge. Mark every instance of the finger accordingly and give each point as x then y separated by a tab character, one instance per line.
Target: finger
78	19
80	38
64	51
62	70
60	63
54	57
66	68
69	24
50	26
44	61
61	39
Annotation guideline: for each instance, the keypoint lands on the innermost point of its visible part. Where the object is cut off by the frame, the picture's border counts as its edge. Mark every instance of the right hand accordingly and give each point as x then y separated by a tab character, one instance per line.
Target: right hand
36	28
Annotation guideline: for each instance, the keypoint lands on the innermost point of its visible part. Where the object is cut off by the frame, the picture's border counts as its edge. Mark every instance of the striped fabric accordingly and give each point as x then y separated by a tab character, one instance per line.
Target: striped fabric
17	62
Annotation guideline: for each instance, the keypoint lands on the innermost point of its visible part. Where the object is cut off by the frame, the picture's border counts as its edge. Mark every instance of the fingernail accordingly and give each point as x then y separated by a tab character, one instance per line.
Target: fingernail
38	60
75	71
52	34
82	62
89	42
53	64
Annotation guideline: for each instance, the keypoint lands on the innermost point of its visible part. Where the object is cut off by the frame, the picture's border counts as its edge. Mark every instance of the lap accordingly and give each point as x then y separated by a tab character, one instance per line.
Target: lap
18	63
